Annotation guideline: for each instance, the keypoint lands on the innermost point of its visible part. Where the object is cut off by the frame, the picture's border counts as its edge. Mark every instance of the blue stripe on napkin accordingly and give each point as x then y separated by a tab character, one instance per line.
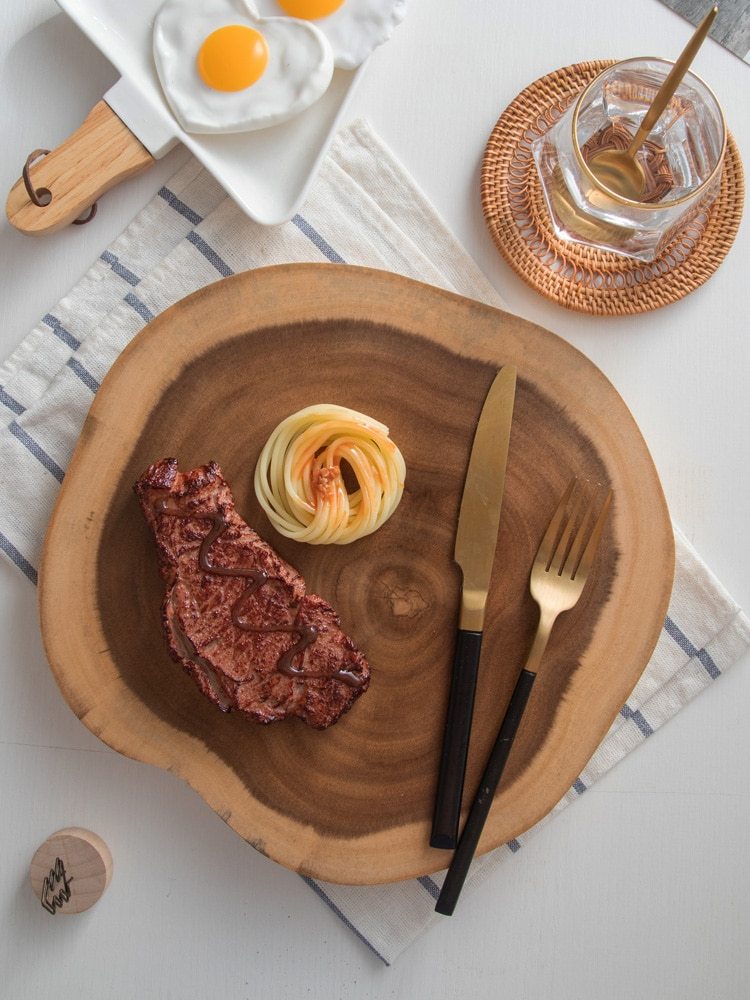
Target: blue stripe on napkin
119	269
59	331
179	206
314	236
430	885
140	307
83	374
637	717
319	891
210	254
687	647
7	400
15	556
36	450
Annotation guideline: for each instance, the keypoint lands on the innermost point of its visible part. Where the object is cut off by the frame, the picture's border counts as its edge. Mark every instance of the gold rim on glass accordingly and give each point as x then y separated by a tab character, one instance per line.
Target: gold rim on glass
655	206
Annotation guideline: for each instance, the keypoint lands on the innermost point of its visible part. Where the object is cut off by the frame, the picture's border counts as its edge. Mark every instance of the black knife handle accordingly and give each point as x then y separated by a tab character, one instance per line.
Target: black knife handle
480	808
456	740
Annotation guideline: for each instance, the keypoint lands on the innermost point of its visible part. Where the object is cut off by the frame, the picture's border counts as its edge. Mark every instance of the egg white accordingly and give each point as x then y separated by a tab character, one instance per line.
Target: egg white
358	27
299	69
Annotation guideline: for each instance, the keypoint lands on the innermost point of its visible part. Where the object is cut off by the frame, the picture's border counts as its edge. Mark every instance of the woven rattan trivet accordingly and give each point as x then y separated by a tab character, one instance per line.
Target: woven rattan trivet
576	276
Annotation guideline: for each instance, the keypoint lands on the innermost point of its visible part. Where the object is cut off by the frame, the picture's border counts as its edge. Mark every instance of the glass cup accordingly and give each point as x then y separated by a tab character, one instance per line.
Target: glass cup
682	160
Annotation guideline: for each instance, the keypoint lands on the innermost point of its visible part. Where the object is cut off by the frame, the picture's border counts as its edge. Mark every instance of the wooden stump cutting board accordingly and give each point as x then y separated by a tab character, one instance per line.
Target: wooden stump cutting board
209	379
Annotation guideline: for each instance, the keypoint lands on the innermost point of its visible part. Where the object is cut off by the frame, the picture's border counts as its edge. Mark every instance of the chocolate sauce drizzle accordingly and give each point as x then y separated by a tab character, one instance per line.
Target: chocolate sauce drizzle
256	579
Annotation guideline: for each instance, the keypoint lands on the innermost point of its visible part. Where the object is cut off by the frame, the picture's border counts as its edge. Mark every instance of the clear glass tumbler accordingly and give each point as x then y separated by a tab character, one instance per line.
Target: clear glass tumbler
682	160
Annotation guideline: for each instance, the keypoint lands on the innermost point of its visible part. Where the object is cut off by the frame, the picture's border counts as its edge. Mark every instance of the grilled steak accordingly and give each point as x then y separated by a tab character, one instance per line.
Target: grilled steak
235	615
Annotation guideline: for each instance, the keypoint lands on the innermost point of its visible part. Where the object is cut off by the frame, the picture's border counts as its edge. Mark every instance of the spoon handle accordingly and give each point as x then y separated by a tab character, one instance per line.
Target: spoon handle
672	82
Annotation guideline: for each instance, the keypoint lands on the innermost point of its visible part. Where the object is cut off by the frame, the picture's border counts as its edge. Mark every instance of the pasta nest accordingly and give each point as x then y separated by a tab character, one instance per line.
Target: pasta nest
300	484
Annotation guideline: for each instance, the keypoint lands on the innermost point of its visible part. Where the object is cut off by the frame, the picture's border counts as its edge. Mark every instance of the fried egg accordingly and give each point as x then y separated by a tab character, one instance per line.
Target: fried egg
223	68
353	27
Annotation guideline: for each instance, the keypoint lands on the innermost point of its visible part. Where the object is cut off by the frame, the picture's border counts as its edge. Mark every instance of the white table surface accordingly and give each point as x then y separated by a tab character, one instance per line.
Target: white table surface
643	887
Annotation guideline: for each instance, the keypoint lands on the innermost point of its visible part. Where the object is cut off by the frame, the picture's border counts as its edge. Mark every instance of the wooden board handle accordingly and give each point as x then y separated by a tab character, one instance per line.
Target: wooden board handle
101	153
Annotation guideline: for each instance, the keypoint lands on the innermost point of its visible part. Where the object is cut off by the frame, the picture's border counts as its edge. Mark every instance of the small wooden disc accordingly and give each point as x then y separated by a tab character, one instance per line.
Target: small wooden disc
70	870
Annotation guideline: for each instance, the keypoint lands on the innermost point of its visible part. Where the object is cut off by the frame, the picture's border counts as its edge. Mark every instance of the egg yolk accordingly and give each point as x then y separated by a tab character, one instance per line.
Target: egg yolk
308	10
233	57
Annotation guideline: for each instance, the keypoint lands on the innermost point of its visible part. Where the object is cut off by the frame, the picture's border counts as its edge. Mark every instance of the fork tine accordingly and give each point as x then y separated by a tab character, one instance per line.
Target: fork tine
557	563
547	544
579	542
593	542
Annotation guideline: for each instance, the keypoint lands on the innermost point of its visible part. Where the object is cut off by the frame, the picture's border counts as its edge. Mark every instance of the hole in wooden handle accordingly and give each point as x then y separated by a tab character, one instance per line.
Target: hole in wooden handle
74	175
41	197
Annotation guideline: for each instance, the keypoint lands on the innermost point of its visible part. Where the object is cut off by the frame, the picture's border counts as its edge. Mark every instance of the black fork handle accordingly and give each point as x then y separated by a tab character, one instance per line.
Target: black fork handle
482	804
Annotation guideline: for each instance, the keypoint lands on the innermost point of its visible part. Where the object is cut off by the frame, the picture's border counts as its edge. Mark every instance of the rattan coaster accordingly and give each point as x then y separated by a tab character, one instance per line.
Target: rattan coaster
576	276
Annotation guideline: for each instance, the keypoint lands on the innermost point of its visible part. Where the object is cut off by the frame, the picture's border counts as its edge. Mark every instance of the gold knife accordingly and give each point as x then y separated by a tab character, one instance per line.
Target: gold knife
476	540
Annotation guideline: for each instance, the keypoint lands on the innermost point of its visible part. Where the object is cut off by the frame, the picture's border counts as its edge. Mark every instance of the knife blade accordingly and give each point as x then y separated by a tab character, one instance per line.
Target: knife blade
476	541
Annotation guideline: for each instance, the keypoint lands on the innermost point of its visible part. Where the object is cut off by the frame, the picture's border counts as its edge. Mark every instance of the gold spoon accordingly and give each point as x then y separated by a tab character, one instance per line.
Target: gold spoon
617	169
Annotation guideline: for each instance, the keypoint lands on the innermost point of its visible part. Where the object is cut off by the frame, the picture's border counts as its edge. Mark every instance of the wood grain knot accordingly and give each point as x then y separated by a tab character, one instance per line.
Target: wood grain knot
404	602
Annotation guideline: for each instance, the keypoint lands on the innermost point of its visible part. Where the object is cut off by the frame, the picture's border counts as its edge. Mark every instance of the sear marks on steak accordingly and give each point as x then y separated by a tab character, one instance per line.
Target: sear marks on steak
235	615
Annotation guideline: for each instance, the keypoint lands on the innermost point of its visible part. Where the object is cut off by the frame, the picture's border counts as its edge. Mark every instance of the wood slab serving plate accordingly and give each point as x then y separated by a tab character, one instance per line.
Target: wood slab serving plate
209	379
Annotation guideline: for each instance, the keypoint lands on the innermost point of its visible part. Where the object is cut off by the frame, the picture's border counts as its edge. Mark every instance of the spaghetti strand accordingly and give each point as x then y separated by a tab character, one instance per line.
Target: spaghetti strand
299	482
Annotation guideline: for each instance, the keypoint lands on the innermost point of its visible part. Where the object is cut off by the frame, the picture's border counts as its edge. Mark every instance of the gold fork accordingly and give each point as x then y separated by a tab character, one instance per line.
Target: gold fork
559	574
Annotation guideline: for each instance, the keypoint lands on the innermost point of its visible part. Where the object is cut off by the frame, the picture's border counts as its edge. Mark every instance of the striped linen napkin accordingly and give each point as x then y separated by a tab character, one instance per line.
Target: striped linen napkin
363	209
